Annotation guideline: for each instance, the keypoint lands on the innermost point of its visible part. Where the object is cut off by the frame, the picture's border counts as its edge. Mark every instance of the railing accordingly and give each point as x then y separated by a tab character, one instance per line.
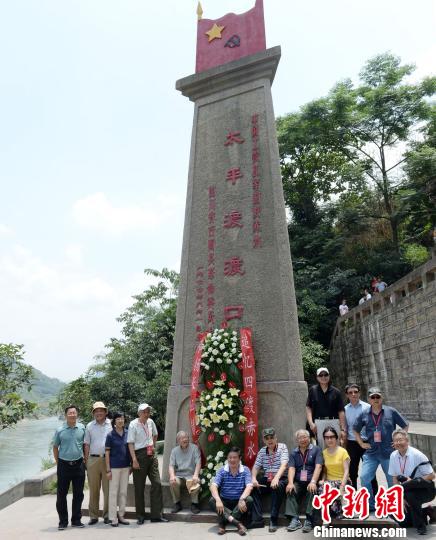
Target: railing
420	278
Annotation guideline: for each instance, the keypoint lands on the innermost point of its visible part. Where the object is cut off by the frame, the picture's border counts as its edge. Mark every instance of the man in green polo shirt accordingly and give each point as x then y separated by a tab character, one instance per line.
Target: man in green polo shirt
68	453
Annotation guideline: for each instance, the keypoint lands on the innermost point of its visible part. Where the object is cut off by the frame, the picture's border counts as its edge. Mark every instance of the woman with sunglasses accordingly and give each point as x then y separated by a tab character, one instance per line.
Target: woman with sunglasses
336	467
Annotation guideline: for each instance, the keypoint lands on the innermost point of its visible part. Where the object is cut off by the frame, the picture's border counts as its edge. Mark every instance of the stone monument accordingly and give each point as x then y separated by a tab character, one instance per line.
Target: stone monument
236	264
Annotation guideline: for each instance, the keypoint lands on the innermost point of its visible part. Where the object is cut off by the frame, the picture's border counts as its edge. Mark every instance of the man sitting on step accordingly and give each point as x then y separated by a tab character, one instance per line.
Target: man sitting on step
230	491
184	469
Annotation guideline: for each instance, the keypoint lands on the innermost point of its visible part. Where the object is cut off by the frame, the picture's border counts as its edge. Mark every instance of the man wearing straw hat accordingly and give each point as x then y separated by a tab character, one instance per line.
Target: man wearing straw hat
184	469
94	456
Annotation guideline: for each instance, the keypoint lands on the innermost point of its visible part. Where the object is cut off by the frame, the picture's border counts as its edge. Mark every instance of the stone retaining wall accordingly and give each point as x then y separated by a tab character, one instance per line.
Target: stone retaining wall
390	342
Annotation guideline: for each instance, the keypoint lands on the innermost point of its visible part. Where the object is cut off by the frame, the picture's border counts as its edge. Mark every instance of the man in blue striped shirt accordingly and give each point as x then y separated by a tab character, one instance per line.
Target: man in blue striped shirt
272	459
230	490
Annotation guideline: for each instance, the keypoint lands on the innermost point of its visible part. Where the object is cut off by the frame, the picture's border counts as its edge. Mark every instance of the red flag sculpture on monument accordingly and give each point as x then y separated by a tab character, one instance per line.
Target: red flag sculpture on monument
231	37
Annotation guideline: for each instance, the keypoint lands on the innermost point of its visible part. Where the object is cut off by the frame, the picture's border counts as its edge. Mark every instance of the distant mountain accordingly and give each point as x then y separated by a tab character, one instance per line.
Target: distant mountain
44	390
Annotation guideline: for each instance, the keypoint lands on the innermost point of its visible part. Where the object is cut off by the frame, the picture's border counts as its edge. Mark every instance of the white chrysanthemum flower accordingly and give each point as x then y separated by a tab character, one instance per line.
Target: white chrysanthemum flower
215	343
236	360
209	465
226	354
228	361
207	396
206	367
209	349
209	476
219	361
218	338
222	432
214	352
222	346
240	355
230	425
234	333
203	481
234	351
219	454
226	334
231	411
209	335
216	429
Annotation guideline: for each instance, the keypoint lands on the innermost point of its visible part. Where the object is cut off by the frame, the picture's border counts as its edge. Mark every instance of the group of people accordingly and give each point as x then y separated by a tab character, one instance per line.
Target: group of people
373	433
109	453
377	286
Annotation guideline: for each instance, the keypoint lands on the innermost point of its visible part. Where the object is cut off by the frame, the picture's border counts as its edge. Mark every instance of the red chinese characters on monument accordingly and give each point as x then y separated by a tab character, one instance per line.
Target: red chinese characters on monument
233	137
211	258
255	182
232	220
234	267
199	299
233	175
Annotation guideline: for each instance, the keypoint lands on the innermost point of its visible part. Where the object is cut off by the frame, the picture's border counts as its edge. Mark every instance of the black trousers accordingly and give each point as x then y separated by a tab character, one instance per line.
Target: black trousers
277	496
231	509
356	452
70	473
415	498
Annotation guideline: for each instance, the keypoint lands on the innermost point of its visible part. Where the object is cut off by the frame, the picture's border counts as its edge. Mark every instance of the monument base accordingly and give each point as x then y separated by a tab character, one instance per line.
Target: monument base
281	403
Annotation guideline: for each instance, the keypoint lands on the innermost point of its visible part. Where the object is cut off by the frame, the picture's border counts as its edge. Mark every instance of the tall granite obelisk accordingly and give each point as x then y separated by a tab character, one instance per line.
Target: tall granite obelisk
236	264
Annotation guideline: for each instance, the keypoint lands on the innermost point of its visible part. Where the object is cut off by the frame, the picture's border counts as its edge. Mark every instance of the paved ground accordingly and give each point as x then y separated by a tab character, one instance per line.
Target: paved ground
35	518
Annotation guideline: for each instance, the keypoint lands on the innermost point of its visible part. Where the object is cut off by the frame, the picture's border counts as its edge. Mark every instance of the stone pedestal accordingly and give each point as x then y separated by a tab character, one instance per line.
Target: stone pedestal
236	262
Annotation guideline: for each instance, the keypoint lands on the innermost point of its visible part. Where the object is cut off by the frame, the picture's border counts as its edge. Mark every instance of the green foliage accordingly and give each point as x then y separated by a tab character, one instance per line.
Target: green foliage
359	189
14	375
136	367
415	254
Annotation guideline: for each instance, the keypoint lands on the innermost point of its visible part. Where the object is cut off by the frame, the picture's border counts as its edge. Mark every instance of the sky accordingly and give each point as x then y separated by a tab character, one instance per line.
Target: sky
94	143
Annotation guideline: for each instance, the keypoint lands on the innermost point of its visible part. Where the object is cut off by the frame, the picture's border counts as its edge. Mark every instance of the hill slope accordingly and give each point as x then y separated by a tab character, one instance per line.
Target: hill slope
44	389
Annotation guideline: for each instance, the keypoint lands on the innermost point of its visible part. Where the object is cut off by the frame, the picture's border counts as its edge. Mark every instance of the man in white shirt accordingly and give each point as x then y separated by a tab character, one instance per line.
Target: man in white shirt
366	296
142	437
405	464
343	308
94	457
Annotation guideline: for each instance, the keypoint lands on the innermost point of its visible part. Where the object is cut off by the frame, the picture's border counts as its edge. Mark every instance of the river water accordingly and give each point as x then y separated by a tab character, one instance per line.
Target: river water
23	447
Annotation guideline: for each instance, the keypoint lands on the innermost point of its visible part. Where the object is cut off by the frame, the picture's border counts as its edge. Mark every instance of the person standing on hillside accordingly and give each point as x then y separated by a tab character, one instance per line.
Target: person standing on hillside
324	407
95	444
68	454
343	308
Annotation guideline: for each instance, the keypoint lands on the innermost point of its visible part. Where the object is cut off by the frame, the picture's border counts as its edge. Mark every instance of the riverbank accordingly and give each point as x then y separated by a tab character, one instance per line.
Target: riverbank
23	448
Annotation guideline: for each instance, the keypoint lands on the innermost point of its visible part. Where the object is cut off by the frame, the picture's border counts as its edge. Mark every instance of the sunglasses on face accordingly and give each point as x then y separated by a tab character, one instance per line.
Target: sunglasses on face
375	397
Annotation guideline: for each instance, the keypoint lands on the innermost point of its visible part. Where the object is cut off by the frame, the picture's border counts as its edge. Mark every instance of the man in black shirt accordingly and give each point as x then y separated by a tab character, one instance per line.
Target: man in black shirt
325	407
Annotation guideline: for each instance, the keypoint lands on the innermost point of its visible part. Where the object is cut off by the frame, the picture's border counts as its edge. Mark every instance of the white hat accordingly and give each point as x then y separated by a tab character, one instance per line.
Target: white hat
322	370
143	407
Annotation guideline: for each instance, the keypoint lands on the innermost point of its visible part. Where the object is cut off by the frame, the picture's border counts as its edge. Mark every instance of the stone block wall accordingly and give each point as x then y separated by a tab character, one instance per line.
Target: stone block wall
390	342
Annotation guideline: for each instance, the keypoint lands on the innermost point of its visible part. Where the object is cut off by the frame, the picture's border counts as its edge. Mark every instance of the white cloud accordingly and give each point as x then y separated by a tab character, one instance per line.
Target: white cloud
74	254
98	213
5	230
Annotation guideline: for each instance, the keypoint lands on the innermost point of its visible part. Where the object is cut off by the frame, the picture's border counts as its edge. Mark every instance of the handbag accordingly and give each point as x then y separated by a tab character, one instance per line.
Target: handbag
420	483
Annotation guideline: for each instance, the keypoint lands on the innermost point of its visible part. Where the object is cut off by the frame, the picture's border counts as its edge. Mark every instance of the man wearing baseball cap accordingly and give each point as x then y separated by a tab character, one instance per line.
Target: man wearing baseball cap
142	437
379	422
94	450
325	407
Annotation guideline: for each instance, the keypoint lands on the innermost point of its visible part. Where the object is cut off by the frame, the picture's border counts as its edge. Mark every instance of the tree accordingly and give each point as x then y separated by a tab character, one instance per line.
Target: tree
137	367
14	375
